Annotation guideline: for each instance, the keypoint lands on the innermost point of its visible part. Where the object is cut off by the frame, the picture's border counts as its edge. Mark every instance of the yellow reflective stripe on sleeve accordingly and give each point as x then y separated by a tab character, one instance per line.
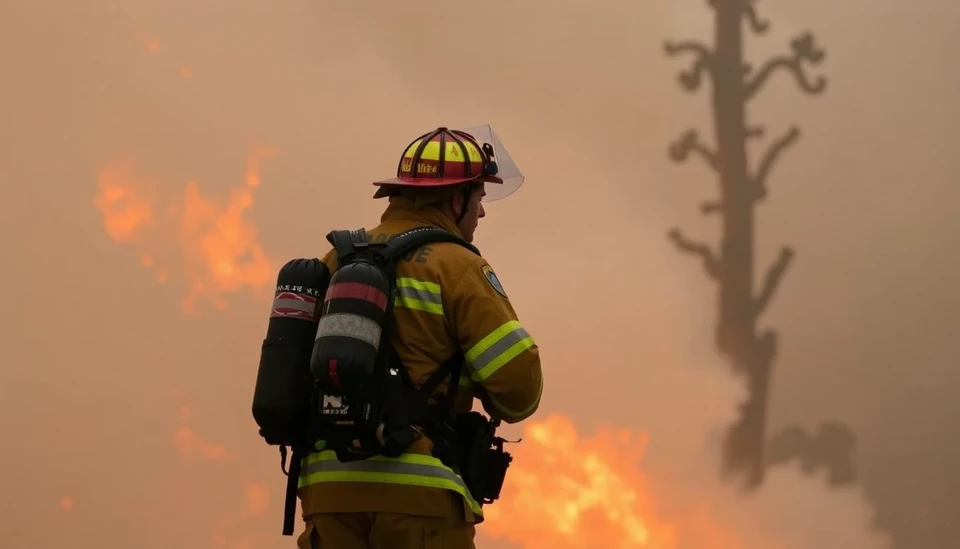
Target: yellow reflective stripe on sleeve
465	380
418	295
408	469
497	348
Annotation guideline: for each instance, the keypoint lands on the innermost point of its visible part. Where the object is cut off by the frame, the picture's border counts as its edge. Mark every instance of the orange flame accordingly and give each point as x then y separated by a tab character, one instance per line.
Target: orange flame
577	493
563	491
226	254
126	212
213	246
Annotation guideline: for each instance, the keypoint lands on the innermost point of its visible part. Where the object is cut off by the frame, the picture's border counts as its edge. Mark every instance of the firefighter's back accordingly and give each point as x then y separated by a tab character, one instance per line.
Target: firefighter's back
427	501
449	308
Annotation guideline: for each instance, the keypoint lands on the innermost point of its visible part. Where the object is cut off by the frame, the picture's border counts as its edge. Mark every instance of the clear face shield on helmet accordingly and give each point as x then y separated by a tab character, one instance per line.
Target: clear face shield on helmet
507	169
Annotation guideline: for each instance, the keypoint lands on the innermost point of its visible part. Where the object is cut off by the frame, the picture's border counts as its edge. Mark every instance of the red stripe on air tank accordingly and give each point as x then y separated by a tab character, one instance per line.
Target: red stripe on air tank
294	305
356	290
334	374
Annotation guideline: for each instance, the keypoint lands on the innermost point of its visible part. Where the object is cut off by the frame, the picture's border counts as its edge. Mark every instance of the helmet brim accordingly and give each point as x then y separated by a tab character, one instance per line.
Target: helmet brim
387	185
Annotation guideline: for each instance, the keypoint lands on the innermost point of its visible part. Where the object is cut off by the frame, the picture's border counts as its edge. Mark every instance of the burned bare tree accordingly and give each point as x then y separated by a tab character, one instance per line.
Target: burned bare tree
749	350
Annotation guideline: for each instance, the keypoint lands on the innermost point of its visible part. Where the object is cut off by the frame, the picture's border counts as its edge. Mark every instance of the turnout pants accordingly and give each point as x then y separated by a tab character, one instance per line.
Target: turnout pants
384	531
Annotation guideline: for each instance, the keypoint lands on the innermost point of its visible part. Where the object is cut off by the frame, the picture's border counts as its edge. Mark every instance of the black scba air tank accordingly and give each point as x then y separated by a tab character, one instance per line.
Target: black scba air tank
345	354
283	393
319	362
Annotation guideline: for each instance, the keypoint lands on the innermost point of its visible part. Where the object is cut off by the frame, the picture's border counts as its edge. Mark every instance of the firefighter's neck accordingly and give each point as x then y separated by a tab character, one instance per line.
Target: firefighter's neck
453	212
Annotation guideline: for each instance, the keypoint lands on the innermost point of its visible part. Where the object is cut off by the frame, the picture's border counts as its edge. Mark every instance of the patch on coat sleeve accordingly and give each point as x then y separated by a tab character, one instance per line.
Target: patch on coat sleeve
493	280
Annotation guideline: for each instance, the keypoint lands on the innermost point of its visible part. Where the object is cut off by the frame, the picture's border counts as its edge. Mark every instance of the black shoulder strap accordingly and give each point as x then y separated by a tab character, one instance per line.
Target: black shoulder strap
397	246
348	243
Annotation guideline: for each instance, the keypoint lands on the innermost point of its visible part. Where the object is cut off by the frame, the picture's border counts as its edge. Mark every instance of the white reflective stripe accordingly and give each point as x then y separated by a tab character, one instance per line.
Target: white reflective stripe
408	469
296	304
497	348
350	325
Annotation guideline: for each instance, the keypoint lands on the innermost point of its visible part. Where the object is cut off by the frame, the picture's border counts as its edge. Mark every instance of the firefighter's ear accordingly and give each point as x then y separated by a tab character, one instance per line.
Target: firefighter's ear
457	204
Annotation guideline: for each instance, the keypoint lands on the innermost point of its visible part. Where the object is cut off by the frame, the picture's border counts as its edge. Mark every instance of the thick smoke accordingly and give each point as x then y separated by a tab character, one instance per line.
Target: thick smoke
183	90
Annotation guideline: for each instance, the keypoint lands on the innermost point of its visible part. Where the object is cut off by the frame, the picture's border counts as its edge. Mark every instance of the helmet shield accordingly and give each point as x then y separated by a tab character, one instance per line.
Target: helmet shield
506	168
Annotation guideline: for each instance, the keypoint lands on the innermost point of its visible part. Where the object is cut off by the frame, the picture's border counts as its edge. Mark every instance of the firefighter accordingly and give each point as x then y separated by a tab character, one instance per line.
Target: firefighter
449	300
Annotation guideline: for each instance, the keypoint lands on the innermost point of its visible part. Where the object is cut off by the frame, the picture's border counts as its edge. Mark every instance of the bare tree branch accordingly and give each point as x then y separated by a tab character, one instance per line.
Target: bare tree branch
703	61
831	448
711	207
769	159
804	49
690	142
710	262
754	131
772	280
757	24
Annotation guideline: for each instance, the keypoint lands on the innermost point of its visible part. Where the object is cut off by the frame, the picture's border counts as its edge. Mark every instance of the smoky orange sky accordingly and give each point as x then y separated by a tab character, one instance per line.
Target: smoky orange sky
159	161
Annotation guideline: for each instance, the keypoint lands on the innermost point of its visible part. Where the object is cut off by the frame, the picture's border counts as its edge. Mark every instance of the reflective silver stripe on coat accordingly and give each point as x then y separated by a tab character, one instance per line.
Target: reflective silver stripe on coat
419	295
426	296
350	325
498	348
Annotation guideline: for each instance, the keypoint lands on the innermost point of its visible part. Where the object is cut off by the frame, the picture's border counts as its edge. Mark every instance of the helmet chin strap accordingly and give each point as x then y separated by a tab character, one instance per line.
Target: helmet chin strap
465	193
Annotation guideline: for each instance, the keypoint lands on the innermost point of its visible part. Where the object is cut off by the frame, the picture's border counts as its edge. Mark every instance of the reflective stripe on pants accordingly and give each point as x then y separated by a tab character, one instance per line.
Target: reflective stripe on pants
408	469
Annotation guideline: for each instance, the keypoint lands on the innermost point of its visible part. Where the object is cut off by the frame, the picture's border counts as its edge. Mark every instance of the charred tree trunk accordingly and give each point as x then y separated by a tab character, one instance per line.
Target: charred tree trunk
749	351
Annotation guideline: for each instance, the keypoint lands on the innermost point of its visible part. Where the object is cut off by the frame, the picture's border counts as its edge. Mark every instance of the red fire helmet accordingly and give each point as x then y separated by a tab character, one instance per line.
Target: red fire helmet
445	157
